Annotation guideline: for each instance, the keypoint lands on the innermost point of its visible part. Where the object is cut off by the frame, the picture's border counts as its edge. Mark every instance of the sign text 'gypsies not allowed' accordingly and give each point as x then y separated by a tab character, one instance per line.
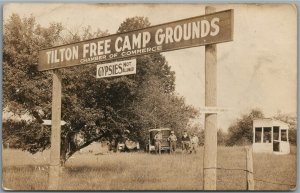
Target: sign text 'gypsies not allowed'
201	30
119	68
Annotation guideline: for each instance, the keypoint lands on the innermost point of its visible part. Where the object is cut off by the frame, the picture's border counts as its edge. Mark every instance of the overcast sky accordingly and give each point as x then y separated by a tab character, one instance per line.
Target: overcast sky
257	69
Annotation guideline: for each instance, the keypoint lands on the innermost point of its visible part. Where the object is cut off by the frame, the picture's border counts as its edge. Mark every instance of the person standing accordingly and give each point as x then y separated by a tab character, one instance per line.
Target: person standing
194	143
185	140
172	139
158	139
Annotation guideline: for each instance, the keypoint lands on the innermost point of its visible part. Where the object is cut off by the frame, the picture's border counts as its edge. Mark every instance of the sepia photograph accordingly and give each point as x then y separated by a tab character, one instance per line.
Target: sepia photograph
149	97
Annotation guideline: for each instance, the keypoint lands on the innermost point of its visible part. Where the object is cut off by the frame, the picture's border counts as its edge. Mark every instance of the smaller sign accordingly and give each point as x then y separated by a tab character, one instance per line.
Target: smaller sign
211	110
119	68
49	122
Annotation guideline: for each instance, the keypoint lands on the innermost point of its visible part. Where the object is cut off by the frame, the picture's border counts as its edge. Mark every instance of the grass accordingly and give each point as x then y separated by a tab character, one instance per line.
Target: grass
141	171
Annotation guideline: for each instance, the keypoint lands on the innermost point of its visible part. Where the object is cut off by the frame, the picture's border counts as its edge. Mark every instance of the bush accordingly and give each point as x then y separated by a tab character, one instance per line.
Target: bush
241	132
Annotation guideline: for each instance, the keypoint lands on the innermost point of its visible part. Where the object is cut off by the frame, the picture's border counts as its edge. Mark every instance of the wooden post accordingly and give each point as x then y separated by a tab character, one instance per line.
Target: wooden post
249	162
210	143
53	181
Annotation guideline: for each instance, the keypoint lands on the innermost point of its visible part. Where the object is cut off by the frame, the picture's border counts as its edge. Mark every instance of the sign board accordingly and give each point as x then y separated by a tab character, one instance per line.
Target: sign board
49	122
196	31
120	68
211	110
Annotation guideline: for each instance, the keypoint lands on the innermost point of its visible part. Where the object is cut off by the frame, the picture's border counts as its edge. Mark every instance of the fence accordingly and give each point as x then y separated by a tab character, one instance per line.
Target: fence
250	177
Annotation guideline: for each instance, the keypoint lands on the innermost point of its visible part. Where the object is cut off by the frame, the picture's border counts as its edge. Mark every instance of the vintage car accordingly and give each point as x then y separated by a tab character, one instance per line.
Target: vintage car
128	146
165	145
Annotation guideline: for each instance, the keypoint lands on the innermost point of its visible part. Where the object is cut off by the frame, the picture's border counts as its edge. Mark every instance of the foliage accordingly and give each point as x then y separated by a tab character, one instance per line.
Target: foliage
241	132
292	121
199	132
155	108
26	136
134	23
222	137
197	129
95	109
25	90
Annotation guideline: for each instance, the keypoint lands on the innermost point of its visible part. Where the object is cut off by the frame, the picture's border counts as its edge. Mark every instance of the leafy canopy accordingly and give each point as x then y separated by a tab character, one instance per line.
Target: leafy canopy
97	109
241	132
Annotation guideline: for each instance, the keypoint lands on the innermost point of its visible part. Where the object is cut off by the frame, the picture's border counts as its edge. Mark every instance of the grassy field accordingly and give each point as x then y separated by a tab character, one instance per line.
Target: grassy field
141	171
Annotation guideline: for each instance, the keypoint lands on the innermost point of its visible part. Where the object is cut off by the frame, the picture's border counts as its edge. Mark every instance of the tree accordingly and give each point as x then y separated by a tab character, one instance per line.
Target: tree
105	108
241	132
155	103
198	130
134	23
155	108
292	121
25	90
94	109
222	137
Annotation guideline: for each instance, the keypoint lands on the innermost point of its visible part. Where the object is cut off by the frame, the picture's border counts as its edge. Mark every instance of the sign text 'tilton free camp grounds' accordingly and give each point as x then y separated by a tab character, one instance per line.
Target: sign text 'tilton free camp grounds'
201	30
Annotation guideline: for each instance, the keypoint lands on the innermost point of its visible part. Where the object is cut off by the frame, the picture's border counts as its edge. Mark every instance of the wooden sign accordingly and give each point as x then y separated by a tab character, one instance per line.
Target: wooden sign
49	122
196	31
119	68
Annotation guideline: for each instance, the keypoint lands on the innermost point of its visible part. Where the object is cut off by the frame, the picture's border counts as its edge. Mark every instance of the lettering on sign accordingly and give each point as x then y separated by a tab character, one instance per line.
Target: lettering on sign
116	68
201	30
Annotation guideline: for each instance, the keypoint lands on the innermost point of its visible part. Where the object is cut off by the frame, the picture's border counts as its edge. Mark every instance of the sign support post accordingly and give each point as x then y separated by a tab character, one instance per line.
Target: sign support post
55	132
210	143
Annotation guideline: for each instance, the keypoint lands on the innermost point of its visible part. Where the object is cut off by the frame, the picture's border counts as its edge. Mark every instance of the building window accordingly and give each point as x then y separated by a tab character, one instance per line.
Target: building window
276	133
258	134
283	135
267	135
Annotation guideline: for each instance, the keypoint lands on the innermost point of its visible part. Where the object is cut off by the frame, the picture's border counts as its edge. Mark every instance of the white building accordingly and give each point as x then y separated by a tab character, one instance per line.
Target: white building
270	136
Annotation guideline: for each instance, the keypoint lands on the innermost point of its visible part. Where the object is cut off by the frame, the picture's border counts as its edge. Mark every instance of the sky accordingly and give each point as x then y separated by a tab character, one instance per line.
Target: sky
258	69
